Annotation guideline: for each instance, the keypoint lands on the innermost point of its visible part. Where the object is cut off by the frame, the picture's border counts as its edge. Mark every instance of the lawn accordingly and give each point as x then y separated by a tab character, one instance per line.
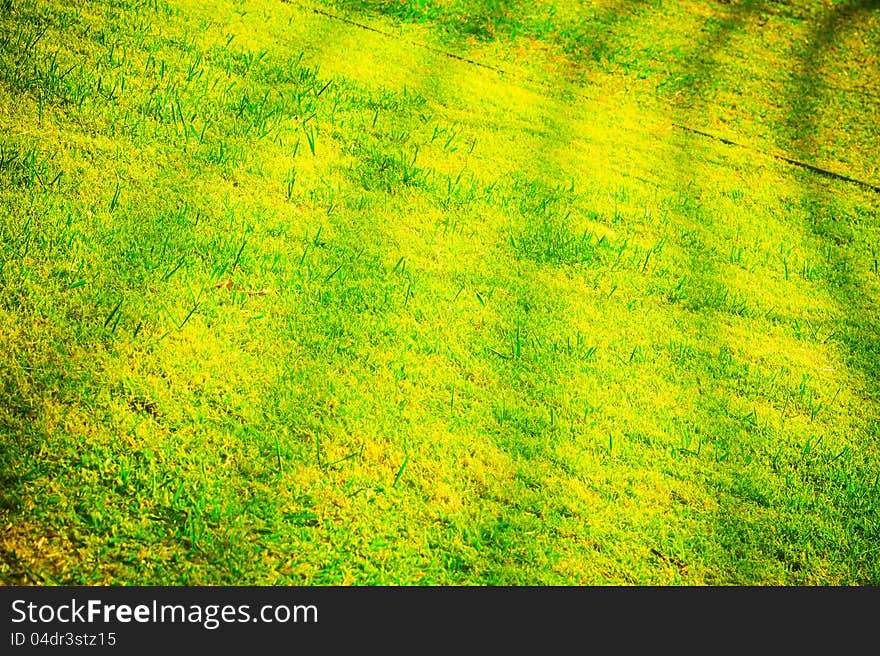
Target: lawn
466	292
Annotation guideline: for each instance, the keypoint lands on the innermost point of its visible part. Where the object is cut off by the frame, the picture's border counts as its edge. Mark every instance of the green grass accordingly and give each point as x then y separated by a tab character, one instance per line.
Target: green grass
286	301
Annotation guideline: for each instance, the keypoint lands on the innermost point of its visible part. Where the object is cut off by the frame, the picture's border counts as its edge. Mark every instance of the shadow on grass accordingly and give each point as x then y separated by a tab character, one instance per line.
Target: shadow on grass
845	228
848	228
748	527
24	431
593	37
808	88
844	522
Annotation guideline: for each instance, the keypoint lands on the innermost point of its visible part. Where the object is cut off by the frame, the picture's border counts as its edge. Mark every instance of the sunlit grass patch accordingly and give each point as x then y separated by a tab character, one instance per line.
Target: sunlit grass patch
284	301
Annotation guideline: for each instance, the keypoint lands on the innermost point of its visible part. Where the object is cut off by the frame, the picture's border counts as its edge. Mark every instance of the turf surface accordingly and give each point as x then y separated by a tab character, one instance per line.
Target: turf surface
439	292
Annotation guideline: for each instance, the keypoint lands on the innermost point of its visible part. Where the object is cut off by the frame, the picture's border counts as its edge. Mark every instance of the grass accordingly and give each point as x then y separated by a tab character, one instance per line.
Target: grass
286	301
